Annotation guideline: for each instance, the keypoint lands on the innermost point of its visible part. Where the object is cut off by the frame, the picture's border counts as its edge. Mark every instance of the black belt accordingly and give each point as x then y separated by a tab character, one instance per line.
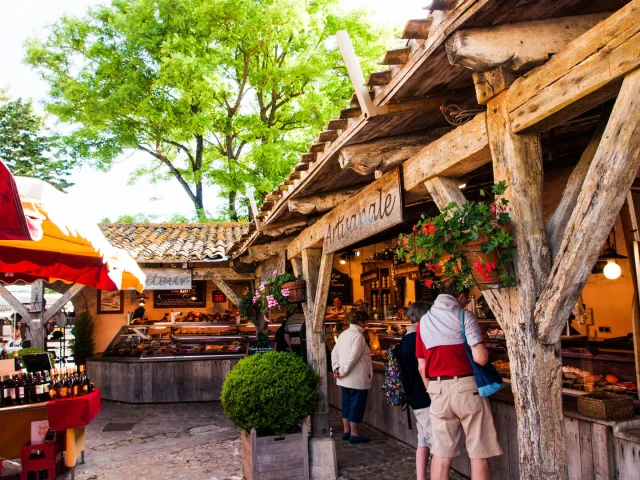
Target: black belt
447	377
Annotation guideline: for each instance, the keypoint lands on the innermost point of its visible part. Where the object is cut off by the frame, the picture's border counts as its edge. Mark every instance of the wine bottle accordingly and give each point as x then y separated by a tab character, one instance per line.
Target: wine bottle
53	387
84	380
64	385
46	386
75	384
20	390
17	364
9	391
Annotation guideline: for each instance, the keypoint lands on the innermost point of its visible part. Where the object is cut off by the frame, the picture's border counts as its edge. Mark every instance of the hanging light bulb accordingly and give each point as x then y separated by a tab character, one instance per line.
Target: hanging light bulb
612	270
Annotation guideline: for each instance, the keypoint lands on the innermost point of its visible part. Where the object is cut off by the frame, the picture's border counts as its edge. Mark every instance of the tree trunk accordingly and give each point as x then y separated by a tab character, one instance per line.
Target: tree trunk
198	203
233	213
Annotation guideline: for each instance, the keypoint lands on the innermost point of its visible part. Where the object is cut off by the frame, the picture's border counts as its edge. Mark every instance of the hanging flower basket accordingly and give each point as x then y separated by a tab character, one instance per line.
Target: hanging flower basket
471	241
296	290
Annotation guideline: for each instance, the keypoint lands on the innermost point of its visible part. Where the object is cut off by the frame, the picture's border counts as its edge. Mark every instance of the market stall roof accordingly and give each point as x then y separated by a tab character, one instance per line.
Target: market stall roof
417	82
179	242
48	238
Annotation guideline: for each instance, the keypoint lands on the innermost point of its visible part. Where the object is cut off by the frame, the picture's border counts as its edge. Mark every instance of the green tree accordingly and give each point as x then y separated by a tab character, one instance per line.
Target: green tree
215	91
28	148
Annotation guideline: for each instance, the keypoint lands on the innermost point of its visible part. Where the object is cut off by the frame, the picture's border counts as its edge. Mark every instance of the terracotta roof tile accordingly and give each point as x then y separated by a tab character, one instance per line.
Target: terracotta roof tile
174	241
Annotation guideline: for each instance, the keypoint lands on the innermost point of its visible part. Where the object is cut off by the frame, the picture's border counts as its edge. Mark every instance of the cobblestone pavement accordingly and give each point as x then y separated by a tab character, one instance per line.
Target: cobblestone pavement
197	442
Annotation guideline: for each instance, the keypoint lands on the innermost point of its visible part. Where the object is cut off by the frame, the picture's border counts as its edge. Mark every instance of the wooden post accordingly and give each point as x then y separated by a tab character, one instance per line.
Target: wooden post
314	269
536	369
35	323
62	301
228	291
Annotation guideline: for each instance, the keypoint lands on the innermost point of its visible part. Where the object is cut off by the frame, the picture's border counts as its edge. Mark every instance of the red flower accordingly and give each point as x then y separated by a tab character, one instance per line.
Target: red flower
428	283
405	242
432	267
425	230
478	266
493	208
415	229
486	276
430	228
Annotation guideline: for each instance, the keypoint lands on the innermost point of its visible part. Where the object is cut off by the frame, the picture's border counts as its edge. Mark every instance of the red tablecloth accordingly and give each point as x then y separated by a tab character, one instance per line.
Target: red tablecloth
73	412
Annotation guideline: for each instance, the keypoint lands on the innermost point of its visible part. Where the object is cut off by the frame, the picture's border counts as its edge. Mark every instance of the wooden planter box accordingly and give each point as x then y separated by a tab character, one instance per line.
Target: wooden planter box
275	458
296	290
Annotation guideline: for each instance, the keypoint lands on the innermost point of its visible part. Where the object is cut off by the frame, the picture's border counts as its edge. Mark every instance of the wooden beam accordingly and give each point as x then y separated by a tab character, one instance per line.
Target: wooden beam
338	124
328	136
322	202
605	187
444	190
355	73
313	265
267	250
585	74
62	301
386	153
417	29
302	167
308	158
490	84
273	197
379	79
516	46
13	302
558	222
352	112
398	56
322	292
294	176
318	147
214	274
457	153
285	223
254	208
228	291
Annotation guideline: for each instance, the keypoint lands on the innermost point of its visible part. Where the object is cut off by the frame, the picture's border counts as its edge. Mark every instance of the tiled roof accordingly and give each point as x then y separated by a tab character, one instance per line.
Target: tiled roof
174	241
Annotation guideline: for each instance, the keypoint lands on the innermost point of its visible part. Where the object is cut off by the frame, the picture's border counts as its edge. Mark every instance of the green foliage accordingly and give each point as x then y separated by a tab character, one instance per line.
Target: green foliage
27	148
442	239
228	92
31	351
271	392
84	344
270	297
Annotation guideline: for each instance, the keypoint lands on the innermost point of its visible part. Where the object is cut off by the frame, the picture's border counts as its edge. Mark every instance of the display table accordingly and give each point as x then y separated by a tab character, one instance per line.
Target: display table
161	380
72	415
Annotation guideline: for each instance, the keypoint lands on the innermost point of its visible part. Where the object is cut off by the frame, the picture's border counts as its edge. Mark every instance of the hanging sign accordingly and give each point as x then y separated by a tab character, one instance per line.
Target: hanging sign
374	209
167	278
410	270
369	277
218	296
194	297
340	287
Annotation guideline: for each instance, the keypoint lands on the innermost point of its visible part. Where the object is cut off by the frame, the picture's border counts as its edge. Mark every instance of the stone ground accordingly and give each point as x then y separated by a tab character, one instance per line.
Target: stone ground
196	441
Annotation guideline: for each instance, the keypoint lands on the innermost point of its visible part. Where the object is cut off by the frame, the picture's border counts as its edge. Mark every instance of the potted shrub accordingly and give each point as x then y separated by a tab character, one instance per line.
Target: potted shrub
83	345
268	396
472	241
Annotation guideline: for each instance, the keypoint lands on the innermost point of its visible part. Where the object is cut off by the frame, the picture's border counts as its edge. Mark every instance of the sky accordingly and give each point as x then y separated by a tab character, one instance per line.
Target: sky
108	195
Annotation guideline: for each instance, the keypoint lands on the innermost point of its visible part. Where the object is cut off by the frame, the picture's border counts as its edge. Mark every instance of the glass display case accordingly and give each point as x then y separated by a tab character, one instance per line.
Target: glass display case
183	340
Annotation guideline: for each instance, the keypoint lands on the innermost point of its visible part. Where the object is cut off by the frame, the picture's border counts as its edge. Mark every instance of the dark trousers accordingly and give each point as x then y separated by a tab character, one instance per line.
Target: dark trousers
353	404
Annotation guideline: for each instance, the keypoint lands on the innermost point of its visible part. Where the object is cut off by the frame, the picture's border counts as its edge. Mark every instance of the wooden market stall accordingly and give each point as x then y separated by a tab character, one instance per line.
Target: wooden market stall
177	341
542	95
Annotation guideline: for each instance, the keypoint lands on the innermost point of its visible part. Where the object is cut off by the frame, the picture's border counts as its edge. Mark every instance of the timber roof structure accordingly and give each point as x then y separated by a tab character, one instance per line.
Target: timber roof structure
149	242
413	95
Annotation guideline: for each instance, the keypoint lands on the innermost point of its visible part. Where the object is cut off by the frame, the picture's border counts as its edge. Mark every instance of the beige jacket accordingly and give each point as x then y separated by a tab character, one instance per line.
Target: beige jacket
352	356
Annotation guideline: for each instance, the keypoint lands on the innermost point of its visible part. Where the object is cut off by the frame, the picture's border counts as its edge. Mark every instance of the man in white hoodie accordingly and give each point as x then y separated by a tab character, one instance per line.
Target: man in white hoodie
351	365
448	377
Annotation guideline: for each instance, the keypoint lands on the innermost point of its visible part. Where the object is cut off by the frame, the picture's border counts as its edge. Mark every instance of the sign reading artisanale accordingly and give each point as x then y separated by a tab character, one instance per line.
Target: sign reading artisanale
374	209
167	278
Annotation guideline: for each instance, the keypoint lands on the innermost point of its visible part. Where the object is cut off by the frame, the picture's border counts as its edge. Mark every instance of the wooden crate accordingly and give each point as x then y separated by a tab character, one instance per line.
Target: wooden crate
275	458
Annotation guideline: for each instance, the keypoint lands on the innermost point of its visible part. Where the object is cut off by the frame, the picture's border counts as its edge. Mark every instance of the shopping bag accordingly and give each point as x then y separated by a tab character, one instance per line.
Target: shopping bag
488	379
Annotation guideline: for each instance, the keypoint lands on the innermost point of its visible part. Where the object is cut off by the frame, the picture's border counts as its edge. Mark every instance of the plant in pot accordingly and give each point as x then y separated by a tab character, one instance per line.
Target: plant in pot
268	396
83	346
472	241
271	297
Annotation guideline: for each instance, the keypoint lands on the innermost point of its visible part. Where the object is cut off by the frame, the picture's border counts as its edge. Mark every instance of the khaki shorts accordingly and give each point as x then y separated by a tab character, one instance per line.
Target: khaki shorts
423	425
457	407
